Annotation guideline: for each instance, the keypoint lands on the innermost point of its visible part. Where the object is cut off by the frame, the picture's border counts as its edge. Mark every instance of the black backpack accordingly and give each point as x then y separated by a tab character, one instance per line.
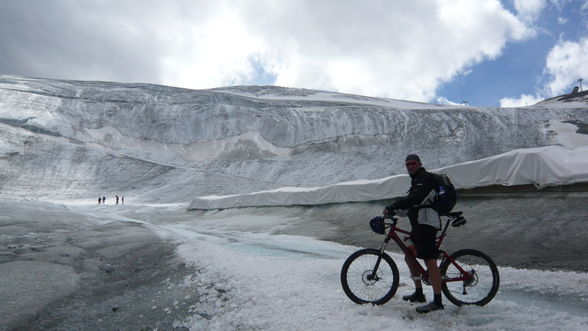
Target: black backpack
445	195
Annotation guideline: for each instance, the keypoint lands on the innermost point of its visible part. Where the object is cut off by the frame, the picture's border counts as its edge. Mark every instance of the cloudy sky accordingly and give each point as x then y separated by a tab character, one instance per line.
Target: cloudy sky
486	52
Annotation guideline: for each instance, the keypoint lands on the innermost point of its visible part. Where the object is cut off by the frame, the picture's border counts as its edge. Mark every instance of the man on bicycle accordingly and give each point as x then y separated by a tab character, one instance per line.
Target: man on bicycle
425	222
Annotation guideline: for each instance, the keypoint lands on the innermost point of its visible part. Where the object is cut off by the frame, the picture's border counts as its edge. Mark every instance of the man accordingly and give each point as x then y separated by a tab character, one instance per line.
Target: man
425	223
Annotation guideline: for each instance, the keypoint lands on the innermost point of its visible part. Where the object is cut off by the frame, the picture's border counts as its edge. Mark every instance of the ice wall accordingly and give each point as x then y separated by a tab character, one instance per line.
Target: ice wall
252	137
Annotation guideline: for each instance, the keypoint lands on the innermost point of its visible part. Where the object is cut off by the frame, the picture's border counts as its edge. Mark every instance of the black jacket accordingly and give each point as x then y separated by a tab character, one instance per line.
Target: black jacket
420	186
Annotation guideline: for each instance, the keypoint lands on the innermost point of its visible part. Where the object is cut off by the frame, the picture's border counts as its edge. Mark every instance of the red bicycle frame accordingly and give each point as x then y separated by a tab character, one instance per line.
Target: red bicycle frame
393	234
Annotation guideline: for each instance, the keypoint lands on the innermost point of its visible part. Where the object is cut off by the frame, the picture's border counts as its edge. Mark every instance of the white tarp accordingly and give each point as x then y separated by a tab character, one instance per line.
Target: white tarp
544	166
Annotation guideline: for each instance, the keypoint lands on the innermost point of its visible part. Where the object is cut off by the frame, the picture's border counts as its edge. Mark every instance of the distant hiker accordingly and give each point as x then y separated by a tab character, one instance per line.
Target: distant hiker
99	200
123	200
103	200
117	199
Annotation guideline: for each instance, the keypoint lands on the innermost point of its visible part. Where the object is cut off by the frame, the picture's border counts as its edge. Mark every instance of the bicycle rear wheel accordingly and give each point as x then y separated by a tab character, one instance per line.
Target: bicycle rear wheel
475	284
363	285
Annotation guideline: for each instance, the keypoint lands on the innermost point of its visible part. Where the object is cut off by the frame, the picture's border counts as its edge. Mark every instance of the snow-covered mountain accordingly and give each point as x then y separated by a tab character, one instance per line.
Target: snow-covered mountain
85	139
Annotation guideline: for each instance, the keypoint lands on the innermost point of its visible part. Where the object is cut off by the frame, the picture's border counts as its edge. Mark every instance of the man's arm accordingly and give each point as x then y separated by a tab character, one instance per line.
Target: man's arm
422	187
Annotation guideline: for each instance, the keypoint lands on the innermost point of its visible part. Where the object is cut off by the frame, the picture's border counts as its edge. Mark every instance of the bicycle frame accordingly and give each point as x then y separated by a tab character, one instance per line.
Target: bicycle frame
393	235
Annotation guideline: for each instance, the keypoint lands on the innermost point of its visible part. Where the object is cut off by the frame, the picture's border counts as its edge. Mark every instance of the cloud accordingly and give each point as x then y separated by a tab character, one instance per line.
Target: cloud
529	10
77	40
565	64
403	49
523	100
399	50
445	101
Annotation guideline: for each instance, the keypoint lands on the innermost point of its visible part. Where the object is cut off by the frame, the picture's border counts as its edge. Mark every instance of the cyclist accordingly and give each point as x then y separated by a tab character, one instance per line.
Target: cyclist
425	223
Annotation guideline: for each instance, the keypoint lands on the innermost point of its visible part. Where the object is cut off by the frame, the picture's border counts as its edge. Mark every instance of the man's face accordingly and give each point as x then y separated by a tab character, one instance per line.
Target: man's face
412	166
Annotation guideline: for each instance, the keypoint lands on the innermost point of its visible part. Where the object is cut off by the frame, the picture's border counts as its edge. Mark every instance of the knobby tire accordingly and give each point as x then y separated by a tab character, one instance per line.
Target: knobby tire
482	289
356	283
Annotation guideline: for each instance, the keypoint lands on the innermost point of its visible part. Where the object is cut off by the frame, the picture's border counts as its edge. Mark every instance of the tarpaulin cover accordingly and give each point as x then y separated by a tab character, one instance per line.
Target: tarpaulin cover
542	167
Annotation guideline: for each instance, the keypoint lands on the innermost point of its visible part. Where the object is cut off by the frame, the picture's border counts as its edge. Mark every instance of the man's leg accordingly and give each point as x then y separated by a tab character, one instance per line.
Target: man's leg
418	294
414	271
435	277
427	250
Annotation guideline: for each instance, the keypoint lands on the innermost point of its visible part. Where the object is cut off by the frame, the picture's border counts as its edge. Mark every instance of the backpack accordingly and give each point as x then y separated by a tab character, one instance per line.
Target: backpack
445	195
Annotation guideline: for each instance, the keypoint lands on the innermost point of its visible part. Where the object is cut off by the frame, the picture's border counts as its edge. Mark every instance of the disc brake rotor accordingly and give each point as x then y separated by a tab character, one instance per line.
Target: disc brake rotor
368	279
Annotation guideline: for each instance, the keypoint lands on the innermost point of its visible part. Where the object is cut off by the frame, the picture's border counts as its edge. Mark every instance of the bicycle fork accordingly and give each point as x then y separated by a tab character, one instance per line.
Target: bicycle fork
373	275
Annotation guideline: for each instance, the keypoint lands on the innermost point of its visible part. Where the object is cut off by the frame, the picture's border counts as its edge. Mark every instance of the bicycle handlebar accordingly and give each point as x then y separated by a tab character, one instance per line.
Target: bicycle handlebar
456	218
390	216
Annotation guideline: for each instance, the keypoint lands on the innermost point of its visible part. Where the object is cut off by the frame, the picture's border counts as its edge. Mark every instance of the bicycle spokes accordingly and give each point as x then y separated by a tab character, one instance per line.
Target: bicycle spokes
470	279
369	277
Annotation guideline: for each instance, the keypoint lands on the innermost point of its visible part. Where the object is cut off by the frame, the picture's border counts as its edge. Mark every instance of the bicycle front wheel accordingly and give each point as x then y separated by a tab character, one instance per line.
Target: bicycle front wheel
369	276
470	277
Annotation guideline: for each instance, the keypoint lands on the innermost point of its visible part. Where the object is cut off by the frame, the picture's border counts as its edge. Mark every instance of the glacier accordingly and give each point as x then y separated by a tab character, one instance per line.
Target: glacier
163	262
80	139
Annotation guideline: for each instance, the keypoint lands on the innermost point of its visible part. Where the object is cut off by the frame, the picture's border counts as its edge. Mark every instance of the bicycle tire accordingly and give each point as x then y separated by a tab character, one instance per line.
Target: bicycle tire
487	271
362	290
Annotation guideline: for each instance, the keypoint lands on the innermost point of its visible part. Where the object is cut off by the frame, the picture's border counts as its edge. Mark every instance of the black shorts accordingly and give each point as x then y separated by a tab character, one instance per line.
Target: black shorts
423	237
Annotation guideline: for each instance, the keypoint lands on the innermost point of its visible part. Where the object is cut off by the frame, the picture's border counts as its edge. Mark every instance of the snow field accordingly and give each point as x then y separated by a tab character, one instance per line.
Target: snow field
281	282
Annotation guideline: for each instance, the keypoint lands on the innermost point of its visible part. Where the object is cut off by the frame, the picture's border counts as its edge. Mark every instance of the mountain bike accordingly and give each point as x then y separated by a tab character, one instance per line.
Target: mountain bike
469	277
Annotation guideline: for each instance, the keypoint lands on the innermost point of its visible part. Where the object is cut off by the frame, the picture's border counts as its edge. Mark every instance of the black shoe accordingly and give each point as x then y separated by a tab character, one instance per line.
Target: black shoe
429	307
415	297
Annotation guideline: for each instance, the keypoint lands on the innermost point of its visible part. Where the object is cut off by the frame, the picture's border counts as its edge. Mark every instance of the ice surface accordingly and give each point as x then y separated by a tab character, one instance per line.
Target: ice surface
80	267
259	268
288	282
27	286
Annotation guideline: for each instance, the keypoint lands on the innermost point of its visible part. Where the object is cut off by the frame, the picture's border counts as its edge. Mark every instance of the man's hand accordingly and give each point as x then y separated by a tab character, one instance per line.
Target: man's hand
387	211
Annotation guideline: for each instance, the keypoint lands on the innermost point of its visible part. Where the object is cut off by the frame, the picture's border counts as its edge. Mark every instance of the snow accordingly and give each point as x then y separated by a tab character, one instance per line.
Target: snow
286	94
250	277
286	282
566	134
542	167
276	268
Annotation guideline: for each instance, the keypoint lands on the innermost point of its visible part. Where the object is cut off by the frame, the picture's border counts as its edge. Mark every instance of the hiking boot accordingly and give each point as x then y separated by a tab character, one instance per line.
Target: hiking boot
415	297
429	307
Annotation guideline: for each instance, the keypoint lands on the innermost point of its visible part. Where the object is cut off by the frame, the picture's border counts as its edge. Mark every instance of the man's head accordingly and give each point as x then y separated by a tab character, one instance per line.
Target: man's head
413	163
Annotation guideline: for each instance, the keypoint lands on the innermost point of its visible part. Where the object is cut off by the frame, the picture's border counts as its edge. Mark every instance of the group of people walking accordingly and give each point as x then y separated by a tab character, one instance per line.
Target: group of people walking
102	200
